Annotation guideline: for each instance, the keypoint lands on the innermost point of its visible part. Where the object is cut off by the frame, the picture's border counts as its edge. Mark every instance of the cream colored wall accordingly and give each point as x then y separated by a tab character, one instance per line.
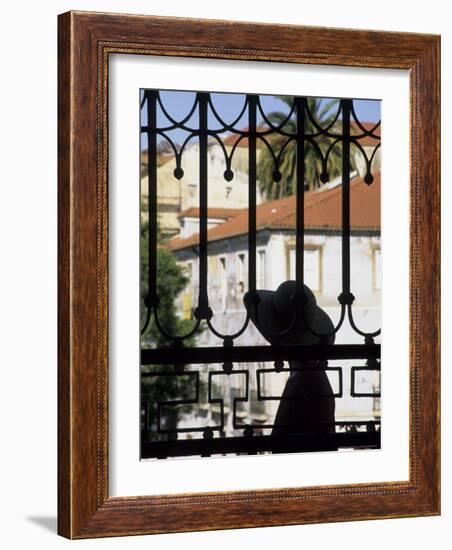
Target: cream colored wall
175	196
361	163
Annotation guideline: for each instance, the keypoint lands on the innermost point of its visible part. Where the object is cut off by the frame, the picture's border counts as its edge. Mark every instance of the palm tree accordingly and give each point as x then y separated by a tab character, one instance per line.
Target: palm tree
280	181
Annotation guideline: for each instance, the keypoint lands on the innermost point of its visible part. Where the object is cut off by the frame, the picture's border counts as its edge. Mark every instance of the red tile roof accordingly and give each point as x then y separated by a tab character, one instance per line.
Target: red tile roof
366	141
230	139
323	211
221	213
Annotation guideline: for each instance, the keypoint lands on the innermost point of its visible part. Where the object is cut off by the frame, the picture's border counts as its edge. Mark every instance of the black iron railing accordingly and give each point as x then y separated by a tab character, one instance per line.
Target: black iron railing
175	356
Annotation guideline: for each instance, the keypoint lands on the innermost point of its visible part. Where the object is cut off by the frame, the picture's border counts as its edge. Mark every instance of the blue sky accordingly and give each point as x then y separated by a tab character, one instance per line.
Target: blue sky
229	106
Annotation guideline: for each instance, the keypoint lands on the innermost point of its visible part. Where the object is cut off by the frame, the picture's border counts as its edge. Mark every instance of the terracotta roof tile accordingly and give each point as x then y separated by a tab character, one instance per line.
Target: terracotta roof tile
222	213
366	141
323	211
230	139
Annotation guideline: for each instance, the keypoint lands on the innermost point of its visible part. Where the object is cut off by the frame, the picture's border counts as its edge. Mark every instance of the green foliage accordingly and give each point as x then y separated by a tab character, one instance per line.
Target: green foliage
323	113
170	282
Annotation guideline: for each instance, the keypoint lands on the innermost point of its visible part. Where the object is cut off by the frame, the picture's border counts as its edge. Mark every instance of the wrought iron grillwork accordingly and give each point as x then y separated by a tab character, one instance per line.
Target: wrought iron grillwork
175	356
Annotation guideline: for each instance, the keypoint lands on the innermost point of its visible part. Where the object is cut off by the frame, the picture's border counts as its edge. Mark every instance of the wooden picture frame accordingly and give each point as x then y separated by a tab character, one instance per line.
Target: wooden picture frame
86	40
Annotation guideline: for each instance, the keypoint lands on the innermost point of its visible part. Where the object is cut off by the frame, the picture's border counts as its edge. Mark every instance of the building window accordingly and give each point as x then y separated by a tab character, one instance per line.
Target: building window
192	192
189	271
261	275
377	268
311	267
223	283
240	272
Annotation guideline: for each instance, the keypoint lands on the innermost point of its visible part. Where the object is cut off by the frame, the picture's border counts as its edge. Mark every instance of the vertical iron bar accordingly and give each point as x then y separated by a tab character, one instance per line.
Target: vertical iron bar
252	110
346	109
151	105
203	300
300	104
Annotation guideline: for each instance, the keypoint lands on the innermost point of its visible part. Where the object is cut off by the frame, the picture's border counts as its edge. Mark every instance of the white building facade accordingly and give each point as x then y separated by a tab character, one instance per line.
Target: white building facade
275	263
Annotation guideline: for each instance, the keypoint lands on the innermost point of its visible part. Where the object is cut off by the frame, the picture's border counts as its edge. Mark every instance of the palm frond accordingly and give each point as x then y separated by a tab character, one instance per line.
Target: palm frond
323	112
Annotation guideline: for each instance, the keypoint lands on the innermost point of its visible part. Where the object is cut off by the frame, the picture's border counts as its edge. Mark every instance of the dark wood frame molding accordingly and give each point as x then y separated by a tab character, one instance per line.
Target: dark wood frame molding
85	42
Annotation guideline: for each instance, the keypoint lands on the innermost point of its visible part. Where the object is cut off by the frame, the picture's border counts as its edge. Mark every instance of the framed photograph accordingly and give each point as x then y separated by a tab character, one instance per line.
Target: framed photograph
248	275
